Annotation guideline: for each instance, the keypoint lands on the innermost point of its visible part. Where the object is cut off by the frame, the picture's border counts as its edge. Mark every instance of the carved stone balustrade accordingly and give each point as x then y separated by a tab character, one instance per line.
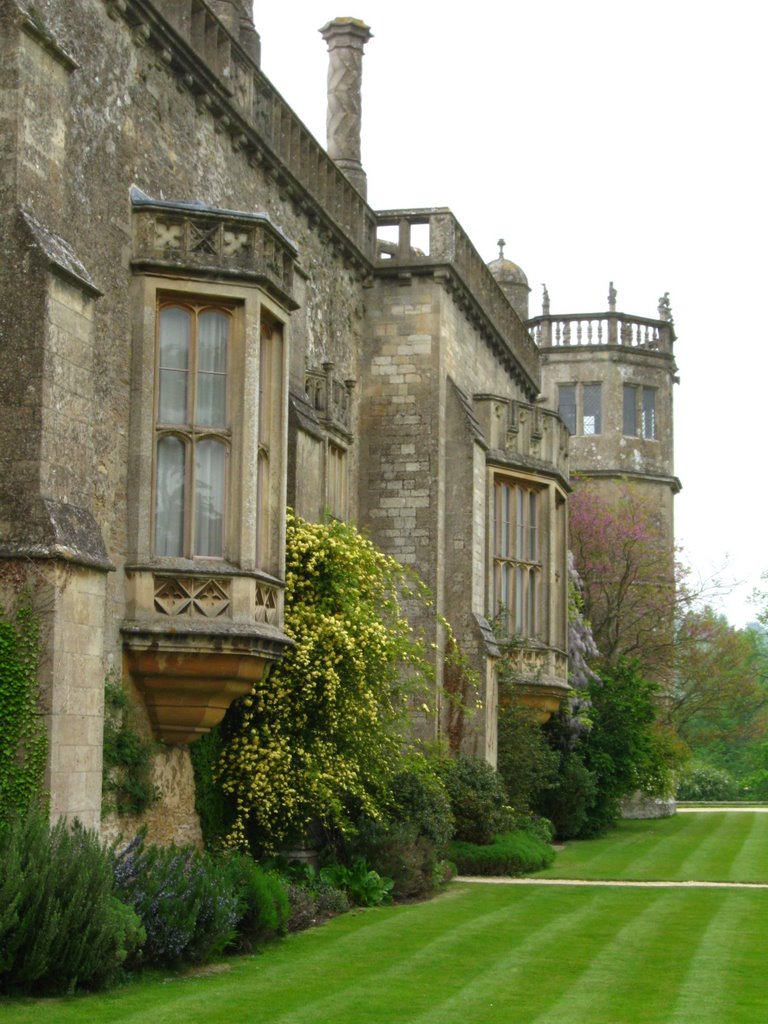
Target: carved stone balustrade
584	329
541	673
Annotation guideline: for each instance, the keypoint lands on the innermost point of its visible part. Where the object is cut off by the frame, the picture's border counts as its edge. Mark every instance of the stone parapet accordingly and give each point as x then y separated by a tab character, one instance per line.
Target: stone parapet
451	258
206	59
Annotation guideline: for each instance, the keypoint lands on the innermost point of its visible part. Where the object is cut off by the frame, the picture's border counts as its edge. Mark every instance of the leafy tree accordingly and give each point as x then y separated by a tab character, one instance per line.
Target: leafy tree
718	702
632	583
620	753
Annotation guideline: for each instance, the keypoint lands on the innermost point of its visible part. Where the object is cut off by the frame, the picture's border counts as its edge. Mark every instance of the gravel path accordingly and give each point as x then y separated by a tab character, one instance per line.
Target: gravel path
713	810
606	883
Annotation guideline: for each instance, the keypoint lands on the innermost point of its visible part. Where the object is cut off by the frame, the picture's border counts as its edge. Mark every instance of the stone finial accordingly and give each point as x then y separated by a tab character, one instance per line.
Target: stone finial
544	301
501	243
611	297
665	310
346	38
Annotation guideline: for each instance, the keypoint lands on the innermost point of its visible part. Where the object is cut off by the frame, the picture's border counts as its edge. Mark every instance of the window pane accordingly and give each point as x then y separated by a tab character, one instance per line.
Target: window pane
337	496
519	600
649	413
592	409
169	507
213	330
174	364
532	578
210	470
567	406
506	521
533	522
519	523
629	427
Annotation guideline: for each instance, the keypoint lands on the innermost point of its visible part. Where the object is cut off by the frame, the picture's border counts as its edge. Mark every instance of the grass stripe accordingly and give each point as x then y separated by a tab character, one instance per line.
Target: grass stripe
718	846
714	989
637	975
359	981
536	934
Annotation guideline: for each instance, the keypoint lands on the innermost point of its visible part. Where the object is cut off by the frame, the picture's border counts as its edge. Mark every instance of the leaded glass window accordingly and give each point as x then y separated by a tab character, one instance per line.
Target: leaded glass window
517	559
567	406
193	437
592	409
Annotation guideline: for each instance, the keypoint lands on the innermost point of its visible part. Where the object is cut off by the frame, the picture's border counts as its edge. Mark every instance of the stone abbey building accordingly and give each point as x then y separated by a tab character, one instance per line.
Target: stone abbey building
202	322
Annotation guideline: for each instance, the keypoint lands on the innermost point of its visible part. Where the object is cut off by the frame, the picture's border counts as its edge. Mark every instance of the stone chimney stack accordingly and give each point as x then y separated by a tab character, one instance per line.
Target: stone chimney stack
346	38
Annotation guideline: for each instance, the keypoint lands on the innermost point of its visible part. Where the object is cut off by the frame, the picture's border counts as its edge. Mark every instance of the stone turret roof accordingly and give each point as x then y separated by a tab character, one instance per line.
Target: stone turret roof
507	273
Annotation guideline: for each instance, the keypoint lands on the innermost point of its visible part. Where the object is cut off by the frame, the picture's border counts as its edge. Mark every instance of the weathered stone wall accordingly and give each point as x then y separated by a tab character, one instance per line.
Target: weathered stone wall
426	479
611	450
97	108
68	603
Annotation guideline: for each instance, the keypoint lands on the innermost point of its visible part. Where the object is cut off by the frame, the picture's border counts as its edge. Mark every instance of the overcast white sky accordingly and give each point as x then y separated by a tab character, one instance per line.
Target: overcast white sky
604	141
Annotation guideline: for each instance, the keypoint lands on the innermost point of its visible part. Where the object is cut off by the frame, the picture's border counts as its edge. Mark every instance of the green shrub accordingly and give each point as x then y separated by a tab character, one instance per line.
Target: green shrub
61	927
526	762
410	842
310	904
398	852
511	853
535	825
753	786
568	803
478	798
702	782
303	912
620	752
365	887
263	907
215	809
330	900
186	900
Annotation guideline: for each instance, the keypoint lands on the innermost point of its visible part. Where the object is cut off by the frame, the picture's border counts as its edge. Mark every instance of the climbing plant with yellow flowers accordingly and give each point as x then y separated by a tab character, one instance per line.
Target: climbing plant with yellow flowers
320	738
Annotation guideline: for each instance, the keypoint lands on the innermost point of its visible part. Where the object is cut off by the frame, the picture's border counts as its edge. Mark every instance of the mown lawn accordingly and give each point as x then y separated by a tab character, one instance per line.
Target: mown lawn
487	954
714	846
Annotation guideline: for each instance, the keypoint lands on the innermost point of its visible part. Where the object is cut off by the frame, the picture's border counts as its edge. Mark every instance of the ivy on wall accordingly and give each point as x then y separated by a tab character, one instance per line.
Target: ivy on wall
23	737
127	786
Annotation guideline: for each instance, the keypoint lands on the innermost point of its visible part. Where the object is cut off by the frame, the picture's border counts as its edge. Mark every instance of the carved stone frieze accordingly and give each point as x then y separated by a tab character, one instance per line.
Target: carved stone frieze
267	604
192	595
330	397
207	240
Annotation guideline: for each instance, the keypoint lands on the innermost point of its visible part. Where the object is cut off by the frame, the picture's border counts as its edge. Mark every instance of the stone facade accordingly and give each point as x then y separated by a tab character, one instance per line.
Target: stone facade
158	197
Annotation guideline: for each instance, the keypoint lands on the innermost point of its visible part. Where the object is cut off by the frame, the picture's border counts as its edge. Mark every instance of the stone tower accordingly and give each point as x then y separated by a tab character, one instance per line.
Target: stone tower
610	375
